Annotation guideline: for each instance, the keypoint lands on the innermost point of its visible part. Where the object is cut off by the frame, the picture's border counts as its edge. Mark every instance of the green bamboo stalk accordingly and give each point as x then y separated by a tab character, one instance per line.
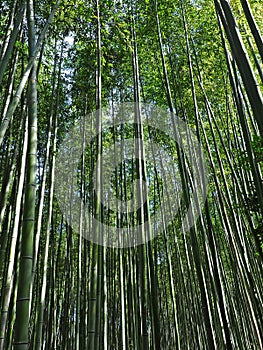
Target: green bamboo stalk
21	340
31	63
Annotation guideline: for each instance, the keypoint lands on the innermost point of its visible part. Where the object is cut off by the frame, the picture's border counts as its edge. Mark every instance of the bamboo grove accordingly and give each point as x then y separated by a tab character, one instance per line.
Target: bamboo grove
201	288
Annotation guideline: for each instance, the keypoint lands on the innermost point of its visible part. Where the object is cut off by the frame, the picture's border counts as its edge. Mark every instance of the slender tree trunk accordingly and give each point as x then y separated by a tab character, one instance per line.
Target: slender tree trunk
242	59
25	271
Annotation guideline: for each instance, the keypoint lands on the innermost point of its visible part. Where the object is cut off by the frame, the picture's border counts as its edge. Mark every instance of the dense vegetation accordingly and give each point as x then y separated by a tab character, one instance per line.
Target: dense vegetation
196	288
